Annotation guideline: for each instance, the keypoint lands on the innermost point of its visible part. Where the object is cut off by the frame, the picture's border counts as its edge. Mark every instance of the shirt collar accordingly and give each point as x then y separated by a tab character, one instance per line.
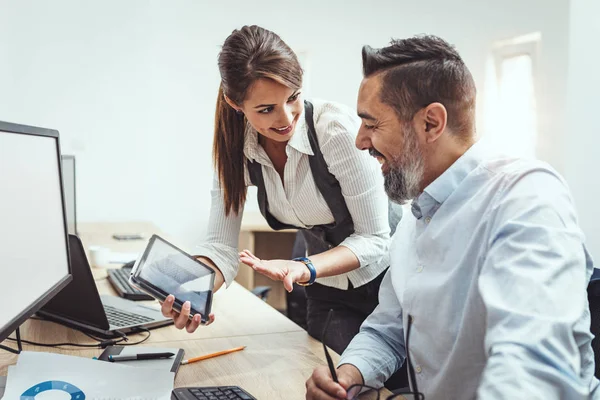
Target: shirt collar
299	140
441	188
250	143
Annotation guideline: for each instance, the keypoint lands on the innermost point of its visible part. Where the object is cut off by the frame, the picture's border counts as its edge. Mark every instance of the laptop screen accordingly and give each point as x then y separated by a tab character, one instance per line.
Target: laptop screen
80	300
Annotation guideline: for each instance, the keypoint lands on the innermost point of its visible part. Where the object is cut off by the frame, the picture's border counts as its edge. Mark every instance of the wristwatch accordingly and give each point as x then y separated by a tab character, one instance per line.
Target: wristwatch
311	268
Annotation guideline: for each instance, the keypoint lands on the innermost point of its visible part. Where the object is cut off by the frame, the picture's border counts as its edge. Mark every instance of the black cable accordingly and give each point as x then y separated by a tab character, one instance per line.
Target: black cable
102	343
140	330
85	333
57	344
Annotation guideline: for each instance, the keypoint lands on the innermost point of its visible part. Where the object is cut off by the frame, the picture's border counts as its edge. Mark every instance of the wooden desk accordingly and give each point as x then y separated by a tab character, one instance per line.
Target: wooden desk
279	358
238	313
274	366
258	237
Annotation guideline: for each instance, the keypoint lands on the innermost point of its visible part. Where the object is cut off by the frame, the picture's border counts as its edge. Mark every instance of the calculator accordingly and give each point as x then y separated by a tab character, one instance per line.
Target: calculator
211	393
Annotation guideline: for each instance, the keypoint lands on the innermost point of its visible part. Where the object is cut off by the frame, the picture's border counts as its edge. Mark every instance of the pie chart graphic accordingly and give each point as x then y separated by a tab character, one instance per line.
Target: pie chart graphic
74	391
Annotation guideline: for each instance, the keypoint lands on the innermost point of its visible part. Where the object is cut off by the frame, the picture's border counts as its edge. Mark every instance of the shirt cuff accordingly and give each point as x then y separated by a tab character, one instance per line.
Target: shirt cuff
368	373
224	257
368	250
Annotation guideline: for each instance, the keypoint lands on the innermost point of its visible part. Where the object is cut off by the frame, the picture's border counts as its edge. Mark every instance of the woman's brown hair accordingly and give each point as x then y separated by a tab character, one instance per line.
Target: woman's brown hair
248	54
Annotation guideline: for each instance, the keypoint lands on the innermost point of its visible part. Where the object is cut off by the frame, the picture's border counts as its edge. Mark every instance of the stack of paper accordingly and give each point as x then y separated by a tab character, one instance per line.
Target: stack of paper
83	378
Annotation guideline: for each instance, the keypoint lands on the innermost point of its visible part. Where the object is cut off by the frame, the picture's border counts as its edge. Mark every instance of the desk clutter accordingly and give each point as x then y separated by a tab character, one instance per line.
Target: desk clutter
135	375
84	378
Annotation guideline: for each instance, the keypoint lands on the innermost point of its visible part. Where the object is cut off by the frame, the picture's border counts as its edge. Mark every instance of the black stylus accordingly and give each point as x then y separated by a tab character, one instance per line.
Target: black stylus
141	356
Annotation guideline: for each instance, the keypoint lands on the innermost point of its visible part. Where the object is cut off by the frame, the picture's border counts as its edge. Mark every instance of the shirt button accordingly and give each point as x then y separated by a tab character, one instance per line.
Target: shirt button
418	369
427	220
419	268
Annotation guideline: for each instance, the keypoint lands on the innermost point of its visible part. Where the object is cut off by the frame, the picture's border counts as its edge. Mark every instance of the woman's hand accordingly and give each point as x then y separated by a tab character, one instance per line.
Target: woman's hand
279	270
182	320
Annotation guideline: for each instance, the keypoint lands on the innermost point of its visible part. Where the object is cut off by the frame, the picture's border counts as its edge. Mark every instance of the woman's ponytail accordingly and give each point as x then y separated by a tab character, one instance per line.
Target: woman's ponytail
228	154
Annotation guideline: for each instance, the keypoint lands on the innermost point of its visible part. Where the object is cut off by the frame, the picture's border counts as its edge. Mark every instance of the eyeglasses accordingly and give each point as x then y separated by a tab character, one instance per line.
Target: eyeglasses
369	392
356	392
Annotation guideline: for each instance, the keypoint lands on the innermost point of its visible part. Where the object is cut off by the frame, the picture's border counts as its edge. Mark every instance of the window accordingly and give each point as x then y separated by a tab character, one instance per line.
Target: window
510	124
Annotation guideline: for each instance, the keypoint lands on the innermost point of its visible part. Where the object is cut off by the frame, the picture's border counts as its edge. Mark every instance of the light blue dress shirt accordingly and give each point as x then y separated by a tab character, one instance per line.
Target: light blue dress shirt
492	267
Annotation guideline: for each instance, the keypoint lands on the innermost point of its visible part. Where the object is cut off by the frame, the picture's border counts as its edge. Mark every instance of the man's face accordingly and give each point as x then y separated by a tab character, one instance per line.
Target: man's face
394	143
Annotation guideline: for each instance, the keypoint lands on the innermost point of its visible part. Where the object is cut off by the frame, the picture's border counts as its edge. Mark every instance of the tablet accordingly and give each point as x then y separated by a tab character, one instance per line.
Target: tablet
164	269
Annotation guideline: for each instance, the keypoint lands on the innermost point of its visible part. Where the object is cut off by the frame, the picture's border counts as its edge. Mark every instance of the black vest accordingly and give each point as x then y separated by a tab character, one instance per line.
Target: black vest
320	237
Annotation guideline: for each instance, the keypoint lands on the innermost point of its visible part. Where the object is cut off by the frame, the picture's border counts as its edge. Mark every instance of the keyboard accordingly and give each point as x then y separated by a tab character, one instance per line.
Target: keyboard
119	318
119	279
211	393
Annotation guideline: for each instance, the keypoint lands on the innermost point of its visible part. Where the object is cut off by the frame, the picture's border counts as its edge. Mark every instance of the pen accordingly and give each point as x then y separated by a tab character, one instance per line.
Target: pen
141	356
207	356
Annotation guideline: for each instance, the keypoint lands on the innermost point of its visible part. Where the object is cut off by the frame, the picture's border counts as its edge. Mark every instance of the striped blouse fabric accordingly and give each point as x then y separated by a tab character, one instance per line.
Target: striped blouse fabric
297	201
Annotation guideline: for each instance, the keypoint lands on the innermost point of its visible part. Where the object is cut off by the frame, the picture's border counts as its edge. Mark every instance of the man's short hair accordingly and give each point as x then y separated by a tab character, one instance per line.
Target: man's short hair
422	70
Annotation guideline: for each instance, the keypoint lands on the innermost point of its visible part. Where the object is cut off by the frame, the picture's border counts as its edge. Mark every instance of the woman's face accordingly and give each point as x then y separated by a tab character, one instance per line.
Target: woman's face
273	109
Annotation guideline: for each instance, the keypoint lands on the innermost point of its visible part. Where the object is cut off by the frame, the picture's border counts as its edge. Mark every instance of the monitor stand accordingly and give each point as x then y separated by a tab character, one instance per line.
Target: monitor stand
19	344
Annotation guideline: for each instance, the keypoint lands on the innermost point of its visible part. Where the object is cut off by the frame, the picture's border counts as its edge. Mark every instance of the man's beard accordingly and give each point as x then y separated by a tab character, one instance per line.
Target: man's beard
402	181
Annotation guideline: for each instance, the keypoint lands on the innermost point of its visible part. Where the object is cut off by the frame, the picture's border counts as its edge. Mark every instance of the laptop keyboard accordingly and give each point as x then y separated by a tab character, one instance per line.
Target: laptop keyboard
213	393
119	318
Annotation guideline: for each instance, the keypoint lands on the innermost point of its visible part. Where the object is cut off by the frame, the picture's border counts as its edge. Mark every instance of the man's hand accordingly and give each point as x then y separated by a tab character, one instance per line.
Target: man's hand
320	386
279	270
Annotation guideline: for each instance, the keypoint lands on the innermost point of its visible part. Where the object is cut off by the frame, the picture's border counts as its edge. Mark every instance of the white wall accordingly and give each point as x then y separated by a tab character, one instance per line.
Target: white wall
583	132
131	85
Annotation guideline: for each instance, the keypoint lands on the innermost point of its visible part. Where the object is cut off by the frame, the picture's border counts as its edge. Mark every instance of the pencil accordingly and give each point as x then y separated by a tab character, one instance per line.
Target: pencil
207	356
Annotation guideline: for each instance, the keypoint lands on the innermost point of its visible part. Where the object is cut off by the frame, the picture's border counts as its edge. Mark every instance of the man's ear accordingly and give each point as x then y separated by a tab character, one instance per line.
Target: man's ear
434	119
232	104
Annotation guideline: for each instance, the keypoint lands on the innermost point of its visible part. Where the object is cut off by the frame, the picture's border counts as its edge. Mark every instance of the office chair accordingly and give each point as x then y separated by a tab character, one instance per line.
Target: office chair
262	292
593	292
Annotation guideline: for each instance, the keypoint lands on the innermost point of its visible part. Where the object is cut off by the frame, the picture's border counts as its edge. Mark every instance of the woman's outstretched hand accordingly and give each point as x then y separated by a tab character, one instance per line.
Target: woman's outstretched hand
287	271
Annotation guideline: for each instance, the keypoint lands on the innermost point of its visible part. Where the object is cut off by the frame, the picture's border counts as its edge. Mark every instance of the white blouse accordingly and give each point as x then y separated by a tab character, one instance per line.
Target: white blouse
297	201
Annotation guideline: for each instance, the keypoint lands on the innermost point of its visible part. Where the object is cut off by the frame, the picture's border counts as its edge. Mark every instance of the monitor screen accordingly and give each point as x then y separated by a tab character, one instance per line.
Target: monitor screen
68	174
34	255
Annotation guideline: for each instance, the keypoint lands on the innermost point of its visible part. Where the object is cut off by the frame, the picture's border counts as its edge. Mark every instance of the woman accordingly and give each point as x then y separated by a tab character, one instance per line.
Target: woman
309	175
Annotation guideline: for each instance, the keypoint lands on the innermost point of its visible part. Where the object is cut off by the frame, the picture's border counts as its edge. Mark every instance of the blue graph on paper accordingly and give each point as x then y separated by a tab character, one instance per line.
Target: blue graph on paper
74	391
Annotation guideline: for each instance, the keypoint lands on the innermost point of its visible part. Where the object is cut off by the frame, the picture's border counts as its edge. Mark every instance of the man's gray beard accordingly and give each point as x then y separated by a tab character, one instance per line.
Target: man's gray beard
403	180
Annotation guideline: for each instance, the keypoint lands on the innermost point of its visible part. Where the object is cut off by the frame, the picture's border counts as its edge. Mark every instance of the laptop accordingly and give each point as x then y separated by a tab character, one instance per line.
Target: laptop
80	306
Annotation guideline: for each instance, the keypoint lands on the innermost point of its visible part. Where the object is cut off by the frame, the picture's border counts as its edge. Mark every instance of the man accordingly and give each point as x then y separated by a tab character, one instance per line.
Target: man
489	273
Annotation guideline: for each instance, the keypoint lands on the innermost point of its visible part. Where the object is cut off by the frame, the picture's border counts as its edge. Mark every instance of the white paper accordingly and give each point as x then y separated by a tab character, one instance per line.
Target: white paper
97	380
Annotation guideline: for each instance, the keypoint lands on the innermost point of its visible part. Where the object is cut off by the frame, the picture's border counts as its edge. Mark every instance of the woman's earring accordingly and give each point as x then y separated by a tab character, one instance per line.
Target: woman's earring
239	112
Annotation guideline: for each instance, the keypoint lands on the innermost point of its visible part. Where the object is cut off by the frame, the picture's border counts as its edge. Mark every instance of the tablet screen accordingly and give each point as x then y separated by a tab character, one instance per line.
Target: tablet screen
169	270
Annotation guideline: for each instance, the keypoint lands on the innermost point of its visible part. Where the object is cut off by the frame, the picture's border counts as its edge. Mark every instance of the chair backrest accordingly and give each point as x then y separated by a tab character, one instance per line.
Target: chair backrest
593	292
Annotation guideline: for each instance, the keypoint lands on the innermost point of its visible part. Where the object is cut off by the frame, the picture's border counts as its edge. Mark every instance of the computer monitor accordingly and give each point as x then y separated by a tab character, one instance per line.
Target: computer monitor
68	173
34	253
